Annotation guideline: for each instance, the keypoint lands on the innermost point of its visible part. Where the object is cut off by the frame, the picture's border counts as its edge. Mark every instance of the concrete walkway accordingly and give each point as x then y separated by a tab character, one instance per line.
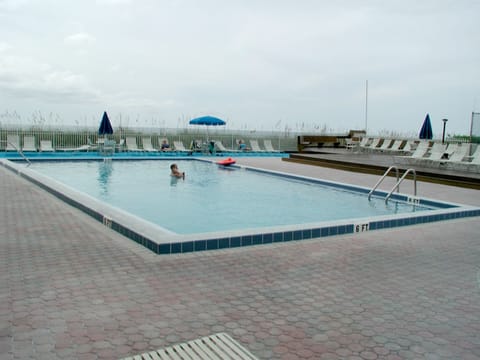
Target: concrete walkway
71	288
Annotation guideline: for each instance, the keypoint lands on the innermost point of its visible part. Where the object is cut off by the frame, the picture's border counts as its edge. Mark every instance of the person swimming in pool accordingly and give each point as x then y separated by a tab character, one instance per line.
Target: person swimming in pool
175	172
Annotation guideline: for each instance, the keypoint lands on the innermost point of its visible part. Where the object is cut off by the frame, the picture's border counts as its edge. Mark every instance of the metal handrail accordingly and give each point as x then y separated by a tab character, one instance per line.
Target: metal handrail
19	151
393	167
397	185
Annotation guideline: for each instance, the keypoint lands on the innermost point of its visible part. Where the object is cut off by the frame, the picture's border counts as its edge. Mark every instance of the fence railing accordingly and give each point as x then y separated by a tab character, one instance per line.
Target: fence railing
70	138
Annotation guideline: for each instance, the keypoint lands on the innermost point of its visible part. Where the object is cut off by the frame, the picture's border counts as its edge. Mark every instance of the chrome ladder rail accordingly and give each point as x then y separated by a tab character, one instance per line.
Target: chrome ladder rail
393	167
397	185
20	152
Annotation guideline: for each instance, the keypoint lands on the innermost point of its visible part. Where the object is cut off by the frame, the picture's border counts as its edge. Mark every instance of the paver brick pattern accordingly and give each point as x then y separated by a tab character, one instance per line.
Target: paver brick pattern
73	289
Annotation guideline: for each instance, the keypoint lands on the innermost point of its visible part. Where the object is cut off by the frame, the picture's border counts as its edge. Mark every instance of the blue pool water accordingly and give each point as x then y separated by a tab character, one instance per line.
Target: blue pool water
212	198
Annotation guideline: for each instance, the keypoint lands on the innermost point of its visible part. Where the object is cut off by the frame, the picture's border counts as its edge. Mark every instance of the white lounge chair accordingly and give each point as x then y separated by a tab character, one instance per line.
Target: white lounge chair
131	142
268	146
83	148
13	143
46	146
221	148
395	146
420	151
408	148
437	152
178	146
467	163
441	155
374	144
78	148
120	147
147	144
364	143
255	147
197	145
458	154
451	149
476	156
385	145
29	143
90	146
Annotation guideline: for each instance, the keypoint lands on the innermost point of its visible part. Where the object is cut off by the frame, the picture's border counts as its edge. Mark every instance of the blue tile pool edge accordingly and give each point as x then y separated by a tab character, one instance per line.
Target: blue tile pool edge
357	189
163	242
130	155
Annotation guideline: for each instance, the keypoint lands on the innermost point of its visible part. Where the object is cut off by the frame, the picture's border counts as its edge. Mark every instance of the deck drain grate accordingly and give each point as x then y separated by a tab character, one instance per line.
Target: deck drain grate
214	347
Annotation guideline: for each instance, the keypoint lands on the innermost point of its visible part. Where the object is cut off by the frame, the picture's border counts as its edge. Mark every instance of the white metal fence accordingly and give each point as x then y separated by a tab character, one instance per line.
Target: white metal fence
71	137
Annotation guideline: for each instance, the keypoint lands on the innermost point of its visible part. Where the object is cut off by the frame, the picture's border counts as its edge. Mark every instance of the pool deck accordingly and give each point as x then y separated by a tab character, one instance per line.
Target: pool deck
377	163
73	289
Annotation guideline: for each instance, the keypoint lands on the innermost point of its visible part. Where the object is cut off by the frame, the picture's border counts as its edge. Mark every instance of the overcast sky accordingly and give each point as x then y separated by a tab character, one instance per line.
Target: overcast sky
259	64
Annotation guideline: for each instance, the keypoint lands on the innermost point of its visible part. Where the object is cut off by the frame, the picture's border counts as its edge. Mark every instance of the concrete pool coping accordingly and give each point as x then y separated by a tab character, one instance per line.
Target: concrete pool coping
162	241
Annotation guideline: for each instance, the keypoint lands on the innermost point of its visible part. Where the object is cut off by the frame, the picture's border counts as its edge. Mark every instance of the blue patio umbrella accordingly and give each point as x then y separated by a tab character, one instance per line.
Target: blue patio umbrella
105	125
426	130
208	121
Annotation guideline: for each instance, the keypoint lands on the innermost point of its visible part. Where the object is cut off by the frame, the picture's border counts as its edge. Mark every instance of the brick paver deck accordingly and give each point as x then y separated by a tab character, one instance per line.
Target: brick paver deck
72	289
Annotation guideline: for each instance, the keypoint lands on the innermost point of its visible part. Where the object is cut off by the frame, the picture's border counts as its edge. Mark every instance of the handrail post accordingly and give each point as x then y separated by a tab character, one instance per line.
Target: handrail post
19	151
397	185
382	178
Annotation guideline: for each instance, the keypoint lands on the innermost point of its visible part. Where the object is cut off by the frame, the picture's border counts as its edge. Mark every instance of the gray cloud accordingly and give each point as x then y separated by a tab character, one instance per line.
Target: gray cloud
24	78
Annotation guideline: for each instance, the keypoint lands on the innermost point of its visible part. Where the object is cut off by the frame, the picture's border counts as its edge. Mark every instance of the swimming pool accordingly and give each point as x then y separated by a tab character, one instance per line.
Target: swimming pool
217	207
214	198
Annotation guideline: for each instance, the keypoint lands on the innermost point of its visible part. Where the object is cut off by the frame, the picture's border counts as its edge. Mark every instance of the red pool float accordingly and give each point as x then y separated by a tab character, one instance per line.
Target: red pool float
226	162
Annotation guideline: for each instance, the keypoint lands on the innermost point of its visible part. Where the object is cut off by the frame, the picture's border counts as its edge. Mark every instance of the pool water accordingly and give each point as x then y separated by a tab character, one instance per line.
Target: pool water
213	198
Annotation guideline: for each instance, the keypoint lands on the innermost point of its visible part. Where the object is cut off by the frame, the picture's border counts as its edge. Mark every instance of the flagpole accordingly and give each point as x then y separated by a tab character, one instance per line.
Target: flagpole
366	105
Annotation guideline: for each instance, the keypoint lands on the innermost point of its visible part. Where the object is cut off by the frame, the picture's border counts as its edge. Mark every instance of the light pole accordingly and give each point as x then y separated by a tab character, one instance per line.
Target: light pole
443	134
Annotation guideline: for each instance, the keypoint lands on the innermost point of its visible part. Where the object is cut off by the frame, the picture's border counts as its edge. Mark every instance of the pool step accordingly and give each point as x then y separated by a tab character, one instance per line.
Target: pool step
218	346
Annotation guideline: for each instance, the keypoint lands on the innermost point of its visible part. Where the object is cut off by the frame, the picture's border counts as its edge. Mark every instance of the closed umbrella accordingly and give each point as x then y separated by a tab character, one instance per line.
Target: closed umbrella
106	146
426	130
105	125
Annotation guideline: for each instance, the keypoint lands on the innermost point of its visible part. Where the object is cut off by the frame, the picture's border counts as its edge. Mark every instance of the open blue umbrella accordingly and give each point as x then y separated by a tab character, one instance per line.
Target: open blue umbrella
426	130
105	125
208	121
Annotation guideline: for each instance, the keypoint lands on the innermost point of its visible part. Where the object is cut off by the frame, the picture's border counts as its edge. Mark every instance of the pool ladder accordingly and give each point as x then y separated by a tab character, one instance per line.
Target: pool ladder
397	184
20	152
